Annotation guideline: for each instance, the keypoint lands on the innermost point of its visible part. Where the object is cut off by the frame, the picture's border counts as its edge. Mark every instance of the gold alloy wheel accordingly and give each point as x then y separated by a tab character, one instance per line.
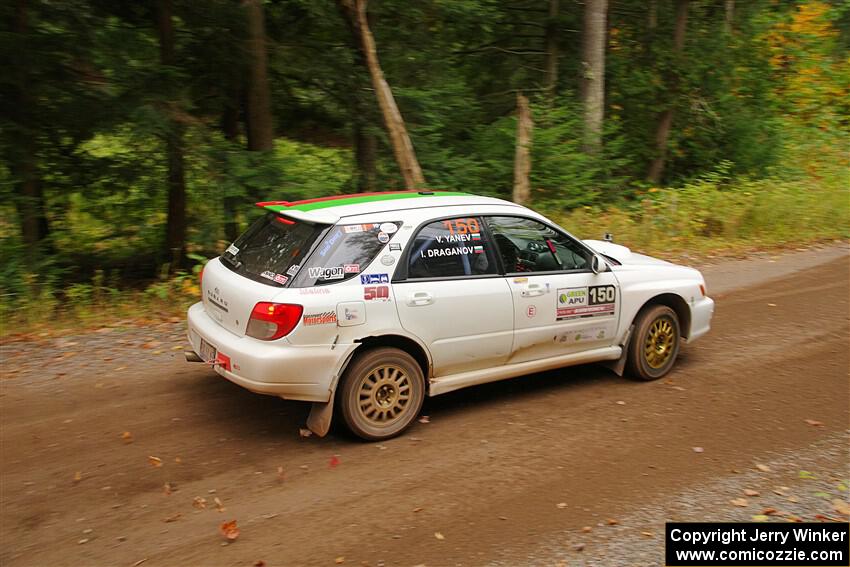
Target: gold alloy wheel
660	342
384	394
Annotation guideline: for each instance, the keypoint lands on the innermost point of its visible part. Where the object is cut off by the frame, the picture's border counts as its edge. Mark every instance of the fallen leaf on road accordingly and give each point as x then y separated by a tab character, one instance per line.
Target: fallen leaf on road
814	422
84	540
304	432
612	522
647	534
173	518
166	488
793	499
417	509
561	505
806	475
139	562
339	560
578	547
586	530
424	419
229	530
155	461
219	506
280	476
769	511
127	437
439	536
259	563
621	403
78	476
761	518
742	502
750	492
698	450
771	305
333	462
841	506
763	468
199	503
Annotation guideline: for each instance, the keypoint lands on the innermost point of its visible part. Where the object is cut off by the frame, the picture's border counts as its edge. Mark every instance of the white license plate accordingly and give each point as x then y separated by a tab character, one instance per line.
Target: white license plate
208	351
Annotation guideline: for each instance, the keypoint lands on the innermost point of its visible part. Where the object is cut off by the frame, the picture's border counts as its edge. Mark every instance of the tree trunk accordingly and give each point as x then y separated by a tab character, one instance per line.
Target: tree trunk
175	231
522	161
652	15
259	114
593	61
729	16
23	164
401	144
665	120
552	50
365	148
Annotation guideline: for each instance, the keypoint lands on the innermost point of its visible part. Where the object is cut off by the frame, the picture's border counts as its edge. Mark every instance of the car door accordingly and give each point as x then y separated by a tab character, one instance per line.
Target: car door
560	306
449	294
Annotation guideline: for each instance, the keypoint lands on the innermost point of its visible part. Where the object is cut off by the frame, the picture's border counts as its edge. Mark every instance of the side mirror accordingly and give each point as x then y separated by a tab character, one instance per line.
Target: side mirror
597	264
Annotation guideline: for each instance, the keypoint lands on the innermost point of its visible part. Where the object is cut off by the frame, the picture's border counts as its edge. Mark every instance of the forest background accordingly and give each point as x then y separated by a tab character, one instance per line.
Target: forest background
135	136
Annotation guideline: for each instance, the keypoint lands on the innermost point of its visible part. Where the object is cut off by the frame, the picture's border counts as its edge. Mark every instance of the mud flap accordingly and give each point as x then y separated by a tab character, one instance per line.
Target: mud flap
619	365
321	414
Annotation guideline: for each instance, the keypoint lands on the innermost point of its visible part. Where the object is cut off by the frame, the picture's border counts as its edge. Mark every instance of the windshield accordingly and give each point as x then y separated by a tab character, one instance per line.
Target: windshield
269	251
345	251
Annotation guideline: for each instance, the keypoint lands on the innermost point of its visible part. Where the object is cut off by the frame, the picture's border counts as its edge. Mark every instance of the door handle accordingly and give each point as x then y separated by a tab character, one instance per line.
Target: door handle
418	298
532	290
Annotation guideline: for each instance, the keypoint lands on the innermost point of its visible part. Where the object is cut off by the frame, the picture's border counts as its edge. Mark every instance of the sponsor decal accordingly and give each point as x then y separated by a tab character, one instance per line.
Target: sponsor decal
520	280
478	249
388	227
293	269
395	247
351	268
593	333
353	228
376	293
322	273
476	237
374	279
330	242
387	260
314	291
232	249
281	279
383	237
531	312
578	302
268	275
325	318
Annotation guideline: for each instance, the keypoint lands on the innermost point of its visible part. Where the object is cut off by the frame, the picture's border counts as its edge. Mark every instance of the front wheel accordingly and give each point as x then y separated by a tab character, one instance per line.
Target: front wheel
381	393
655	343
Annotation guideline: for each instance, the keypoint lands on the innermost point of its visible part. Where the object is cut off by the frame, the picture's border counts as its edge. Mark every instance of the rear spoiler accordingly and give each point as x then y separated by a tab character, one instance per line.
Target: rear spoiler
321	216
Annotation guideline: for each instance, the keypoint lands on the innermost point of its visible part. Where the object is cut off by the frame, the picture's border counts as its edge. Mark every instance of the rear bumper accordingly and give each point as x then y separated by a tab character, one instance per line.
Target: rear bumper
701	313
276	368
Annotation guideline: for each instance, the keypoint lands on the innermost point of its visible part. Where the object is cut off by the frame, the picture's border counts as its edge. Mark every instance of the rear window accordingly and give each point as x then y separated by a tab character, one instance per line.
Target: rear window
344	252
269	251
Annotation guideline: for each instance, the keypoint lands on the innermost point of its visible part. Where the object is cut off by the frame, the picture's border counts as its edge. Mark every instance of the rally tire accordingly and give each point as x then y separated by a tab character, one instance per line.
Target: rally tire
381	393
654	344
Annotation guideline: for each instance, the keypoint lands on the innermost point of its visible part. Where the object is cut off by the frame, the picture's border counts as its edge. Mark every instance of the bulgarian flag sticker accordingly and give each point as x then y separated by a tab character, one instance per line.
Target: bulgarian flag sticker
476	237
478	249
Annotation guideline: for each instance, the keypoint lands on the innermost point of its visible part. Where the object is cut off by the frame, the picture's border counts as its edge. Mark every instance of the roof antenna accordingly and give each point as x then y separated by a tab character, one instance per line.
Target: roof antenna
608	237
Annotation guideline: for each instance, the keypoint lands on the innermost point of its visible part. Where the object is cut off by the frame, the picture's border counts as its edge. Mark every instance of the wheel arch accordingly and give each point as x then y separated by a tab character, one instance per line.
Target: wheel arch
675	302
401	342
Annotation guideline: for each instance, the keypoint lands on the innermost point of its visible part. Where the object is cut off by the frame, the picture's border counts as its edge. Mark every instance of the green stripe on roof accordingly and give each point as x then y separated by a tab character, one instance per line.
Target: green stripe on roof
363	199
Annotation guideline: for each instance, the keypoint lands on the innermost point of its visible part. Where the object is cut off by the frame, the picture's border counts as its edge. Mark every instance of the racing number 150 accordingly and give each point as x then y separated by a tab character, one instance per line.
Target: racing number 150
602	294
462	226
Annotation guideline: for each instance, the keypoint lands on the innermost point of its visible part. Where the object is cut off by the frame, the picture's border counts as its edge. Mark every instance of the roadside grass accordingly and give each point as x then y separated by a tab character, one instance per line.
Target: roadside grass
704	219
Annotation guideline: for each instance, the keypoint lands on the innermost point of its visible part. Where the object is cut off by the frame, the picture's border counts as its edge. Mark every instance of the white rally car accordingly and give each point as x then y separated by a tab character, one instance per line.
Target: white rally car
370	302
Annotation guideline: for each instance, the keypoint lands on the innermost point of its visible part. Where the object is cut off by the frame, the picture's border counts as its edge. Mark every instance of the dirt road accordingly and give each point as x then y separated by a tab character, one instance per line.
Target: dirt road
507	473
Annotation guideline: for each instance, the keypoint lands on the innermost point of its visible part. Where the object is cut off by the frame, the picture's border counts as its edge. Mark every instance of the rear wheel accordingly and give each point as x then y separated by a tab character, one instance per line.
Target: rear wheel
655	344
381	393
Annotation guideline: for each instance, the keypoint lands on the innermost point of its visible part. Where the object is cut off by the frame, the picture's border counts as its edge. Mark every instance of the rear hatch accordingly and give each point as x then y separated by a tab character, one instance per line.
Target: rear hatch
255	268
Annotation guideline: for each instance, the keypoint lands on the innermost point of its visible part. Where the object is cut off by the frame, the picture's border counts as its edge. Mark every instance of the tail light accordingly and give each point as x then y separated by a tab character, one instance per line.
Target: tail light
702	289
271	321
201	277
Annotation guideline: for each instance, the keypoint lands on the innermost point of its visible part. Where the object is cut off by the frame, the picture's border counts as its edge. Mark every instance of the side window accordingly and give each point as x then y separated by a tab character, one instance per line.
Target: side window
345	251
451	248
527	245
